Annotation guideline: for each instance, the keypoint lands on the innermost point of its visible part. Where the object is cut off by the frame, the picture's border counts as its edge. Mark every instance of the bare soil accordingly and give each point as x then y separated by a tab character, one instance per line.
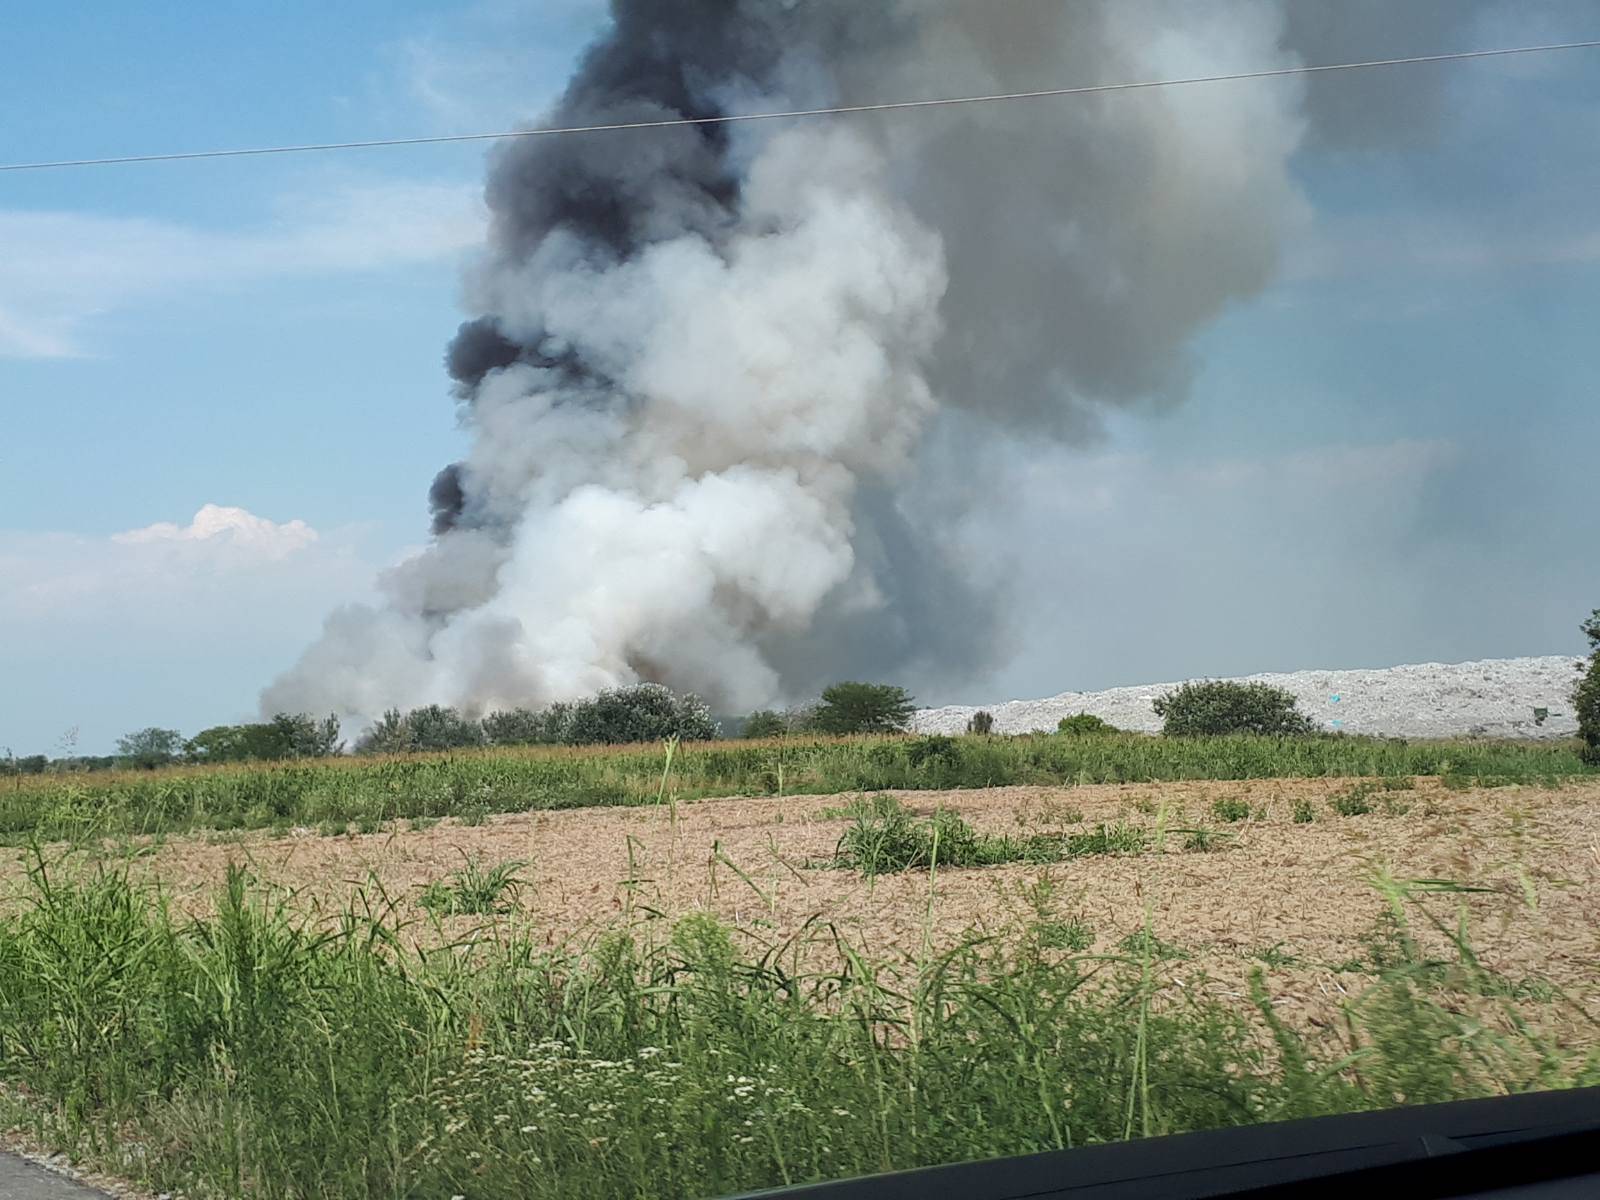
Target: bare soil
1302	895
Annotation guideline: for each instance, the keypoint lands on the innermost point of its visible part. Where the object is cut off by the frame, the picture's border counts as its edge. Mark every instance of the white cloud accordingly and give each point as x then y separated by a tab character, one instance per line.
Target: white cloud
176	624
61	268
224	562
233	528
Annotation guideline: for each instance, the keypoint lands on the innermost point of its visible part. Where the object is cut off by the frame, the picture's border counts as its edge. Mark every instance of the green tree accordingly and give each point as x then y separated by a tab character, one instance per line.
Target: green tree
389	734
287	735
524	727
300	735
436	727
1586	693
765	724
646	712
1219	706
31	764
863	708
150	748
219	744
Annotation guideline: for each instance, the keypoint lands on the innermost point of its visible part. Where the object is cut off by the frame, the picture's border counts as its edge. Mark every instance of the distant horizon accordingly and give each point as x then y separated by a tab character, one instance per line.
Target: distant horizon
720	716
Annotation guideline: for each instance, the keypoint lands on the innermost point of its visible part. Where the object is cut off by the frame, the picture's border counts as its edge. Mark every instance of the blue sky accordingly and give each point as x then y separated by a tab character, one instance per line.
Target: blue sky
1388	455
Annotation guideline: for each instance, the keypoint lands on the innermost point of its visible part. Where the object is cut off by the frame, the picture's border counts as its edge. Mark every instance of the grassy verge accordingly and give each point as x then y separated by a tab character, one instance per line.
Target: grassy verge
257	1053
366	791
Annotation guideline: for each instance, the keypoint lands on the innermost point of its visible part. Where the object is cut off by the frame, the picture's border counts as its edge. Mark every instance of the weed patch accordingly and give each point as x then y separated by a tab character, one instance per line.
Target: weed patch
1230	809
1356	802
1204	841
885	838
473	891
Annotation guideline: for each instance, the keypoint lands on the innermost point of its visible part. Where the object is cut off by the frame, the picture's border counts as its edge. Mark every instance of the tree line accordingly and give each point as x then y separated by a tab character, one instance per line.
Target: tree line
648	712
645	712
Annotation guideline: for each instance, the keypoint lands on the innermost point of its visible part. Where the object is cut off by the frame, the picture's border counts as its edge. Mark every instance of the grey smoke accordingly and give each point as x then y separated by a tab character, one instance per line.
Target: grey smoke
1380	107
707	364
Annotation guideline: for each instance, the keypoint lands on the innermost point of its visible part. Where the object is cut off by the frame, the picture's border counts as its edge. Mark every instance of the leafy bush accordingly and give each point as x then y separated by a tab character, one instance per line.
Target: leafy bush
1219	706
1084	723
765	724
863	708
1586	693
935	748
646	712
982	723
523	727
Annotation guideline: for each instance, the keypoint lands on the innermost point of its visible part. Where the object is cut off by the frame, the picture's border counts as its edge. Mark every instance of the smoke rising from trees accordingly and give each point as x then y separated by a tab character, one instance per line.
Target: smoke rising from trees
704	364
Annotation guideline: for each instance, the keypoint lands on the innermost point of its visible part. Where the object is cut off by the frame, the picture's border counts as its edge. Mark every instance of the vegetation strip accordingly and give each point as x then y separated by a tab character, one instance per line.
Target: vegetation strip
334	792
258	1052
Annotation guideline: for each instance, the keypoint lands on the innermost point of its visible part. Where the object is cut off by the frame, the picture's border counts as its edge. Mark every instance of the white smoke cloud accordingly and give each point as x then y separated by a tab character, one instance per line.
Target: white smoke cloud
768	375
706	362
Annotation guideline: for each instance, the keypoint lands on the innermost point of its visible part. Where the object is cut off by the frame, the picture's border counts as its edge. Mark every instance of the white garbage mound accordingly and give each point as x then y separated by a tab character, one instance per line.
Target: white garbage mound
1499	698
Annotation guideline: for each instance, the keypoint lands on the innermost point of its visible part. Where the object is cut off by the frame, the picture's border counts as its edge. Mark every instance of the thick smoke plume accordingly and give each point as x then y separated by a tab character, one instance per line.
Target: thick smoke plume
707	362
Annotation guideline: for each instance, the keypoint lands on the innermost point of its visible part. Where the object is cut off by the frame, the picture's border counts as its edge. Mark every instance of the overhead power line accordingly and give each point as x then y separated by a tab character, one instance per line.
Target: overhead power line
802	113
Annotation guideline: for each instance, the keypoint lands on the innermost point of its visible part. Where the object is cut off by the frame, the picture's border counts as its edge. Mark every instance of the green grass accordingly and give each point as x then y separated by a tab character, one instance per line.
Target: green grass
473	890
1107	839
473	785
1074	934
1354	802
256	1052
885	837
1145	944
1204	841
